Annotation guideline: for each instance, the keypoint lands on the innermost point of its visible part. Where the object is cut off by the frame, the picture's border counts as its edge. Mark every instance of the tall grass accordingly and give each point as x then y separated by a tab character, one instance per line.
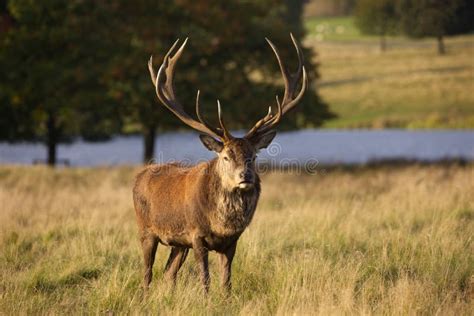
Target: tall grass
382	241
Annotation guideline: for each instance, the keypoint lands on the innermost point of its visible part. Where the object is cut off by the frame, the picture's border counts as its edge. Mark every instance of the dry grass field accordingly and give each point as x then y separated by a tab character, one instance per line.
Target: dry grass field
365	241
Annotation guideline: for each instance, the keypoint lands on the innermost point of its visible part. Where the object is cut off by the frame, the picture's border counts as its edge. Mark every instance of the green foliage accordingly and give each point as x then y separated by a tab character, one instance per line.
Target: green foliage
334	29
226	58
424	18
376	17
80	67
415	18
52	72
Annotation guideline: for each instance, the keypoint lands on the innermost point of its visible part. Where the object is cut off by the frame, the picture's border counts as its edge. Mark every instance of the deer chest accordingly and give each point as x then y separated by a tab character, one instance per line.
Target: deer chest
233	214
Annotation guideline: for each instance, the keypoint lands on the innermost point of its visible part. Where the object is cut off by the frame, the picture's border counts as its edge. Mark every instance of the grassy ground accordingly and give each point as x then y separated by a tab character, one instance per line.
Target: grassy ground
383	241
409	85
334	29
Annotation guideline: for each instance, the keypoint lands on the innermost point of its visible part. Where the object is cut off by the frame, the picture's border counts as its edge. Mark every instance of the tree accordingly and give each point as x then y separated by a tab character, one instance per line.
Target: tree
377	17
226	58
80	67
437	18
51	88
138	30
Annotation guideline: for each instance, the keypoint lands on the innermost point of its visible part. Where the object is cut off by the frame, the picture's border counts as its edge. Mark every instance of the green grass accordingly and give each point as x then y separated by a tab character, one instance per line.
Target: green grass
381	241
333	29
408	86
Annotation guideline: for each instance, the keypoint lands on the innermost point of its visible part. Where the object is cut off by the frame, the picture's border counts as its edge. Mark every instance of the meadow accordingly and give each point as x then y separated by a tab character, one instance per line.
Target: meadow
384	240
407	86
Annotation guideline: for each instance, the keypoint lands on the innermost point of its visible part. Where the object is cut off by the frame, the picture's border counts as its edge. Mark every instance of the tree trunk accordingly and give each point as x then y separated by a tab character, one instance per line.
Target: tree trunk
383	43
52	139
441	47
149	140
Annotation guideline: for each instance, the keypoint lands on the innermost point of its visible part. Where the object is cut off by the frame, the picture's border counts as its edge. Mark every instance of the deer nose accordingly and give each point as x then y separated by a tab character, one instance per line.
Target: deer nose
246	176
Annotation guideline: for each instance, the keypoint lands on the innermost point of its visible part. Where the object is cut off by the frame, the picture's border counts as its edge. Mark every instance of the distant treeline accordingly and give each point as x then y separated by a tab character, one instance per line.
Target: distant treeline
415	18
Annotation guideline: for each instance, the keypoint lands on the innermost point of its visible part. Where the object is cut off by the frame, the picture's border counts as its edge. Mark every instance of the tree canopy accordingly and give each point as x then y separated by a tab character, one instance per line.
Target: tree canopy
415	18
436	18
79	68
227	58
51	87
377	18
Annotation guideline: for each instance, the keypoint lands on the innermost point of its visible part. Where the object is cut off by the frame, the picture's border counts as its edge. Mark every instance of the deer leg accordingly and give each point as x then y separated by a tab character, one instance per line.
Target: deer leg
149	245
175	261
202	258
225	259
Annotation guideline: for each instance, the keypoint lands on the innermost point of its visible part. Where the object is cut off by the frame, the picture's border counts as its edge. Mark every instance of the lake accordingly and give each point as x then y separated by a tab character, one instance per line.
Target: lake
315	146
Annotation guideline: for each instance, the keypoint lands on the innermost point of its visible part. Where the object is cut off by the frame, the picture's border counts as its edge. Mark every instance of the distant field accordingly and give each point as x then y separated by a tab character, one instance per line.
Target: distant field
409	85
382	241
333	29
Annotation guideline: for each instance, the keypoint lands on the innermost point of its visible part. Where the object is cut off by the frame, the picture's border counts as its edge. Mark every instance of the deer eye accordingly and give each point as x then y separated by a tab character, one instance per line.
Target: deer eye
226	158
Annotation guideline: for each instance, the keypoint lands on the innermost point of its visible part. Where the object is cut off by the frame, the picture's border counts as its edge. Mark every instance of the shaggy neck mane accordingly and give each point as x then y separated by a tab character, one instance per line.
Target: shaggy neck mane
233	209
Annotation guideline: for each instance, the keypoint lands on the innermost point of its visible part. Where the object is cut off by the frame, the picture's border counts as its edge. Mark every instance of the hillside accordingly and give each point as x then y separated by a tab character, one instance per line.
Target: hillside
408	86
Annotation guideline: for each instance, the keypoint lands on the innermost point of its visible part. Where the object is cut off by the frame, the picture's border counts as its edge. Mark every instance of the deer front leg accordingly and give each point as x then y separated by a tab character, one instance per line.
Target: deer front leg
201	255
225	259
149	245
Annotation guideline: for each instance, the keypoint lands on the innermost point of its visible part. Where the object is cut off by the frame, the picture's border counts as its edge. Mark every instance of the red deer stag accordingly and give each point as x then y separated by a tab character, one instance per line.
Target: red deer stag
207	206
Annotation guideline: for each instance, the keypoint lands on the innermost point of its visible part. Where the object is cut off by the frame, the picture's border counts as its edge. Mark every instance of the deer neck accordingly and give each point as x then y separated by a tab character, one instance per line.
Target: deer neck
233	208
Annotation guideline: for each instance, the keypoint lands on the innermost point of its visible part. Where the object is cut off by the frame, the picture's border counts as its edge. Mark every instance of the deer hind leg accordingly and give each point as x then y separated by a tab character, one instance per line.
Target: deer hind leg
175	261
149	246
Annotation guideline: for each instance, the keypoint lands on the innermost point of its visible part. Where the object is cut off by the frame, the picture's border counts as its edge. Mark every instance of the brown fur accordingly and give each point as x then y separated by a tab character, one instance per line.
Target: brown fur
199	207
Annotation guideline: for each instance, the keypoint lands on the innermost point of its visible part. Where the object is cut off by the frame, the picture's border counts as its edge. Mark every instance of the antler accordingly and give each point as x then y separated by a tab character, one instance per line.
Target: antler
164	86
289	100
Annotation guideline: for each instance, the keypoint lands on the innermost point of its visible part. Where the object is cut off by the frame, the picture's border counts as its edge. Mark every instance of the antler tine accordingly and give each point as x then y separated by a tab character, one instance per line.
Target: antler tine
292	102
283	69
151	70
272	122
227	135
300	56
150	61
164	87
170	62
290	82
198	113
200	118
263	120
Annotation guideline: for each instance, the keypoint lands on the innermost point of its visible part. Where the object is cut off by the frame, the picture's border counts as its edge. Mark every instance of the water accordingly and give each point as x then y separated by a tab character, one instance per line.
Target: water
321	146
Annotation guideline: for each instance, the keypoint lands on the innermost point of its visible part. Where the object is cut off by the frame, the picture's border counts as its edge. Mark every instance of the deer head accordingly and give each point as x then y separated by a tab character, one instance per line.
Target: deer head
236	156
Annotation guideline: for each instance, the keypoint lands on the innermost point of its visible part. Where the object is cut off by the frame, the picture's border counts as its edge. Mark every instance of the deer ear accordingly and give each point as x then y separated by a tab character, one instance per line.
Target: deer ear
262	141
211	143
